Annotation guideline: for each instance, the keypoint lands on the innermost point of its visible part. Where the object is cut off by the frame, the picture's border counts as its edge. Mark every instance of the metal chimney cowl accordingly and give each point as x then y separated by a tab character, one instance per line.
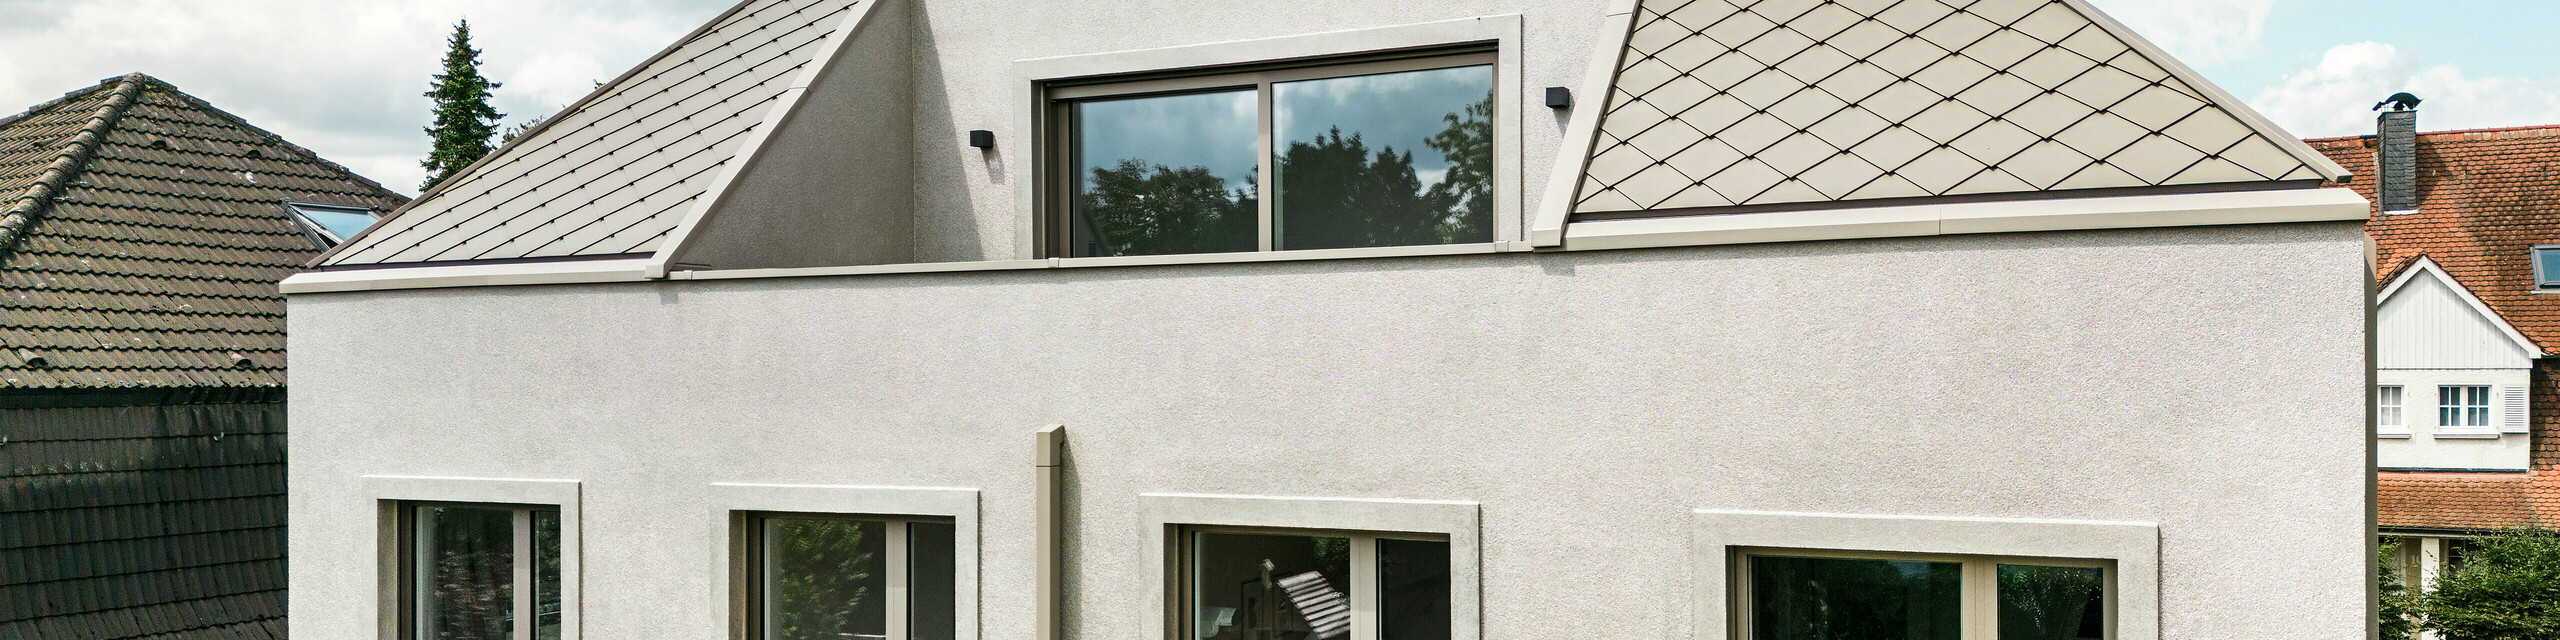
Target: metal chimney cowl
2398	162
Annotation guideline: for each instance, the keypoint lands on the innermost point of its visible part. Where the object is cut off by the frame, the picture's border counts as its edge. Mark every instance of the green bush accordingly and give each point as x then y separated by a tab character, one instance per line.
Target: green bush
2506	587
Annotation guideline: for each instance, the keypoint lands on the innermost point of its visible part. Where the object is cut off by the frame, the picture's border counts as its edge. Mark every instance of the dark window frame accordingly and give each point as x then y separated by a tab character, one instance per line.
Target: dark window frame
1055	191
748	567
407	594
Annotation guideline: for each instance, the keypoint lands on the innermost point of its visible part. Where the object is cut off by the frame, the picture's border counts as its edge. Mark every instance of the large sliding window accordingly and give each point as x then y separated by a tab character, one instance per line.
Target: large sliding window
481	571
1283	584
1381	151
1822	595
826	577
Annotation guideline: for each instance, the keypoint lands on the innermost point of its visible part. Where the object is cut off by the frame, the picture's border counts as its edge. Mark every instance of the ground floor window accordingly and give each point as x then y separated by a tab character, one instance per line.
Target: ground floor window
481	571
1817	595
820	576
1283	584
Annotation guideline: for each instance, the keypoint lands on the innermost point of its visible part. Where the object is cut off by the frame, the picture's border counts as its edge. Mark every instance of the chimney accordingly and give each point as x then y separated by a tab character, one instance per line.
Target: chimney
2398	161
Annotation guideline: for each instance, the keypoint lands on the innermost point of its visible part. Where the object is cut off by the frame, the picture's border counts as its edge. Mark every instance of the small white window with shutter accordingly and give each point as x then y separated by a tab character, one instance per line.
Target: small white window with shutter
2515	413
2390	417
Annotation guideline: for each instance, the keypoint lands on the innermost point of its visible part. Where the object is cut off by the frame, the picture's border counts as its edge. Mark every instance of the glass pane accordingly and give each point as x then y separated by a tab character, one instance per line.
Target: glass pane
466	572
1383	160
1413	590
546	575
2052	603
824	579
2546	264
931	613
1847	599
1270	587
1165	174
343	224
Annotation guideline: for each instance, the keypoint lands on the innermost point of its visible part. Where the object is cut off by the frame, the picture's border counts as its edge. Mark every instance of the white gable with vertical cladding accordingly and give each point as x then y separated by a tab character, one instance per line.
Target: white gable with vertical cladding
2428	321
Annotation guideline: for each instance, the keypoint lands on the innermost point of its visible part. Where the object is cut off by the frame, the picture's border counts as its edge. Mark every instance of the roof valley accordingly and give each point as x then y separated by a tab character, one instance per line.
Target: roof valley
67	162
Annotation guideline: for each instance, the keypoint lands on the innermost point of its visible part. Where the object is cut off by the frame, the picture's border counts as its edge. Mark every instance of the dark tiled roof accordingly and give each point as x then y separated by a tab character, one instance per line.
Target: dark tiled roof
2485	198
145	237
162	521
615	173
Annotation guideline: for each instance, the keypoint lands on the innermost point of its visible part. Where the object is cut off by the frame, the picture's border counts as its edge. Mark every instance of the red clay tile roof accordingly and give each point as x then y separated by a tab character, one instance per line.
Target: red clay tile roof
142	237
2485	198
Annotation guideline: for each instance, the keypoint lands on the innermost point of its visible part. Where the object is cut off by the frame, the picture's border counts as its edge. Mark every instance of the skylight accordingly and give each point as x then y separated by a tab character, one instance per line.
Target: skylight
333	224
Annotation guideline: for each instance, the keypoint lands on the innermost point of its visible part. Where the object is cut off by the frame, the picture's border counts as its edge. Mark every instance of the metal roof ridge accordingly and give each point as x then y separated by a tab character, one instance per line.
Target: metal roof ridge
70	160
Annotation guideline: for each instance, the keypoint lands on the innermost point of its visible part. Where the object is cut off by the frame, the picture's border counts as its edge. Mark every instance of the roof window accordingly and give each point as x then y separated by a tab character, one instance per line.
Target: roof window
330	225
2546	267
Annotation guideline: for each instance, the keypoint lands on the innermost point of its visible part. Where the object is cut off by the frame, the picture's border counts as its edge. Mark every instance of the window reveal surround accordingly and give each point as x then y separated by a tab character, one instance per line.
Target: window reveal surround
1717	536
1166	517
732	504
395	494
2546	268
1034	78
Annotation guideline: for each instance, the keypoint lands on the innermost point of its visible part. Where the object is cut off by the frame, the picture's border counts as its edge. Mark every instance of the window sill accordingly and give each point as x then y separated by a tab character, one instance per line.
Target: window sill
2466	435
2392	435
1122	261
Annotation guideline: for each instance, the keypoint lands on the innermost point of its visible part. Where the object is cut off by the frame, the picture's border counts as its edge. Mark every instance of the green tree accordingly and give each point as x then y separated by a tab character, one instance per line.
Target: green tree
2399	606
1139	209
823	579
464	120
2507	587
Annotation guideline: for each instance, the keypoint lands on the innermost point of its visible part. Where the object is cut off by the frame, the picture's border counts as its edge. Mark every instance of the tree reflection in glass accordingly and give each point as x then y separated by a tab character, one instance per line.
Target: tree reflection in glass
1851	599
1348	172
823	580
1164	175
2052	603
469	573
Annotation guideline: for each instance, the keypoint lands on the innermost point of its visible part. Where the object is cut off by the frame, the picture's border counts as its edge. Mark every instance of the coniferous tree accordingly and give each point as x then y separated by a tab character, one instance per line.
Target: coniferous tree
464	120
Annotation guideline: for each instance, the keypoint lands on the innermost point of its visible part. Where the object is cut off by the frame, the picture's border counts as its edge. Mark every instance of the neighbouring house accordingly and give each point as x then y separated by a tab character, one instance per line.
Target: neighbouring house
142	361
2467	232
1440	319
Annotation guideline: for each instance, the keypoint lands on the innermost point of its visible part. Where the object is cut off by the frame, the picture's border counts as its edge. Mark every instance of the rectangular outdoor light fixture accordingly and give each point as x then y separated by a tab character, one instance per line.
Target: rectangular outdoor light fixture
1559	98
982	139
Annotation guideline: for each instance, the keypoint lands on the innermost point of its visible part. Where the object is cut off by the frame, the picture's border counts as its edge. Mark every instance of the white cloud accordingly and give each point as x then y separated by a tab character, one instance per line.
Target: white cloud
2198	32
341	77
2335	96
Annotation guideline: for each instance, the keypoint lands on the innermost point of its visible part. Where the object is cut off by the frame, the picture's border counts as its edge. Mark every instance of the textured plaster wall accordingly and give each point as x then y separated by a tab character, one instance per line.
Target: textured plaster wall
1588	400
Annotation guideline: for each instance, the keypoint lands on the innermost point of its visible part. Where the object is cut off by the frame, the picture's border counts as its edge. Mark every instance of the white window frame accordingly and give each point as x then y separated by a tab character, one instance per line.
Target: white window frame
1032	104
393	494
737	505
2131	548
2486	410
1169	518
2391	411
1979	599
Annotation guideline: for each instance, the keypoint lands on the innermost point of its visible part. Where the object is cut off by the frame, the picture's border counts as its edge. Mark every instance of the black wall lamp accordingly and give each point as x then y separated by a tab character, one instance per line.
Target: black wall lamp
1559	98
982	139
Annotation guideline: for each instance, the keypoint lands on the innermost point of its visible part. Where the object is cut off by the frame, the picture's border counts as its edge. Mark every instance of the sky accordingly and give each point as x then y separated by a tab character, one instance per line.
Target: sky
344	77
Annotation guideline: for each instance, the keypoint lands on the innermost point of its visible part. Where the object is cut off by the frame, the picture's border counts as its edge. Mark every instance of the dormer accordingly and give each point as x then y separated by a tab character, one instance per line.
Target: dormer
2453	380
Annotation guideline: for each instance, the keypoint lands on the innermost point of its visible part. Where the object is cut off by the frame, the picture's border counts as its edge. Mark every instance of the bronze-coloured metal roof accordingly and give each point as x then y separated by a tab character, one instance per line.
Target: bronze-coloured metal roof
145	234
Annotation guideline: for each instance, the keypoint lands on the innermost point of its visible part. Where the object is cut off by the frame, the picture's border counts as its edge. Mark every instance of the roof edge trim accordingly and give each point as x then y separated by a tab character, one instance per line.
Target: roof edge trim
474	275
1946	219
1582	133
70	160
2283	139
787	107
545	125
2428	265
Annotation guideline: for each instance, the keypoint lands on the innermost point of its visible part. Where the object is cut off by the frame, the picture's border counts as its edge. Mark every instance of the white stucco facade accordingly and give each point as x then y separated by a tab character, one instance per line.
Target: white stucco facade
2171	362
1589	401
